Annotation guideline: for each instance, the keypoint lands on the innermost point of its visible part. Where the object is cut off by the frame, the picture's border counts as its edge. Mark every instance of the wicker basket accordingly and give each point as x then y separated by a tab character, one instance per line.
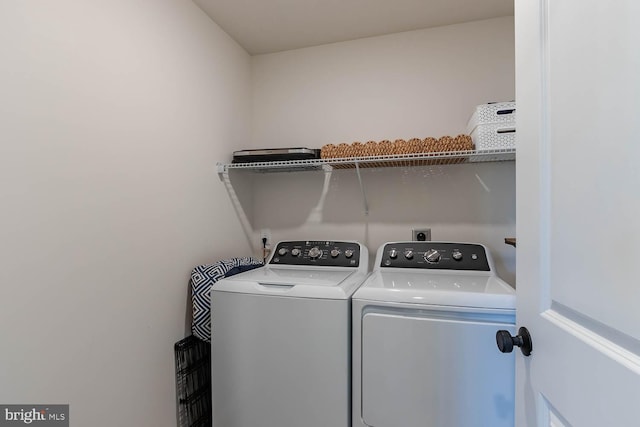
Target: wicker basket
399	147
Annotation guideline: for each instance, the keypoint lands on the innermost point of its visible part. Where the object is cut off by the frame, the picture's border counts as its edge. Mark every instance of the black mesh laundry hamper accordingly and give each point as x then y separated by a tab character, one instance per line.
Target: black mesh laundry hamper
193	382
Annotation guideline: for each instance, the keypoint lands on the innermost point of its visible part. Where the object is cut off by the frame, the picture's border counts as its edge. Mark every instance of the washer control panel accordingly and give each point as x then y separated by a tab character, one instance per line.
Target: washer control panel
435	256
323	253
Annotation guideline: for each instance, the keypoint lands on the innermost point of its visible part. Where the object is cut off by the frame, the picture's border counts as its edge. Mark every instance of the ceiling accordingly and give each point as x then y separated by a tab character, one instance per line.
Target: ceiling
266	26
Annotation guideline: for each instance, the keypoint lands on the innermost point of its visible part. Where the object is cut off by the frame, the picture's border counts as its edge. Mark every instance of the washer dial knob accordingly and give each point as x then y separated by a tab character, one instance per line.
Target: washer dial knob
335	253
295	252
283	251
393	254
408	254
315	252
348	253
457	255
432	256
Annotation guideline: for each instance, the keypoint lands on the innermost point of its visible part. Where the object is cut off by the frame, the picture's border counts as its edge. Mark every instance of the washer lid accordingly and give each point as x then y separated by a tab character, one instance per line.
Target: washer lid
461	289
329	283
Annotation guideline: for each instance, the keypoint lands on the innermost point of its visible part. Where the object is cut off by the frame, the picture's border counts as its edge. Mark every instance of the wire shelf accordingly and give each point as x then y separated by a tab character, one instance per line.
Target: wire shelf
416	159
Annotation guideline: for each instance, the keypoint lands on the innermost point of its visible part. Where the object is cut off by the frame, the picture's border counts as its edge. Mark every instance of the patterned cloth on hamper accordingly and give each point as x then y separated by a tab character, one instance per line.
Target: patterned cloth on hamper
202	278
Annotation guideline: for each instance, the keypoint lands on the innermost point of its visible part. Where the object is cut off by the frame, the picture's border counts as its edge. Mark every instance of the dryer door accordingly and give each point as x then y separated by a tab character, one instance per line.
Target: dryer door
433	368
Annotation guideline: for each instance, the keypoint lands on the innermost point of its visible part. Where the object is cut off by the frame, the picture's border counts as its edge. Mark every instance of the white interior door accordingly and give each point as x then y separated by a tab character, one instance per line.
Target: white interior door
578	210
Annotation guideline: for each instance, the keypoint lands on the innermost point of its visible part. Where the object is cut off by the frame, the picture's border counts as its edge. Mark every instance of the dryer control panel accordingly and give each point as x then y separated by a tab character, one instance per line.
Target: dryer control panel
318	253
435	256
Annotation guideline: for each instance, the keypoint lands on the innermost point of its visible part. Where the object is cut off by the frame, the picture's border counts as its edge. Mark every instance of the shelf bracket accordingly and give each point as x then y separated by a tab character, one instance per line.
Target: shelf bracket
223	174
315	216
364	194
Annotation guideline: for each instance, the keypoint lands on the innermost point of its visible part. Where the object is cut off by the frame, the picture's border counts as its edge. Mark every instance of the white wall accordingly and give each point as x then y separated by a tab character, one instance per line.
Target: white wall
418	83
414	84
112	116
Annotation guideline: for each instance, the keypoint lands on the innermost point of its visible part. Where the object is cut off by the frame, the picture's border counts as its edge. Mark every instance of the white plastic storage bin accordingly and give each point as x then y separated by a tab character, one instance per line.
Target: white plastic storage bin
494	136
495	112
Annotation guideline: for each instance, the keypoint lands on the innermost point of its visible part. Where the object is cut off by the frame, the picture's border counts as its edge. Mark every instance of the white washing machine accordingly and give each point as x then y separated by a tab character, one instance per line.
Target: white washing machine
281	338
424	339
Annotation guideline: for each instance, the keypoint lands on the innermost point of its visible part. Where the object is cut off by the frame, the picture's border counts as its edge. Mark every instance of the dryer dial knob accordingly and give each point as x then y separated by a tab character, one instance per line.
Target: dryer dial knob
348	253
457	255
295	252
335	253
283	251
432	256
408	254
393	254
315	252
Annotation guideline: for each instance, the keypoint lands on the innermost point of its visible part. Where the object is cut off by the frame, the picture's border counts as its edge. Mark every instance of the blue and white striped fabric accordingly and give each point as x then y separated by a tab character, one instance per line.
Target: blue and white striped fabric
202	278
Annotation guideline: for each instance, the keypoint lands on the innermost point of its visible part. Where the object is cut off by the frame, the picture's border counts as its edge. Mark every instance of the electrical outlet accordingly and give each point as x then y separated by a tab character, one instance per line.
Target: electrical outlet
265	233
421	234
265	243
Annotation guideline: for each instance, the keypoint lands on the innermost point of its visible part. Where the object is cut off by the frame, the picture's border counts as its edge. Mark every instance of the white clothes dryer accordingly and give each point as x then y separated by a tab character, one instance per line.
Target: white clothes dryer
424	339
281	338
